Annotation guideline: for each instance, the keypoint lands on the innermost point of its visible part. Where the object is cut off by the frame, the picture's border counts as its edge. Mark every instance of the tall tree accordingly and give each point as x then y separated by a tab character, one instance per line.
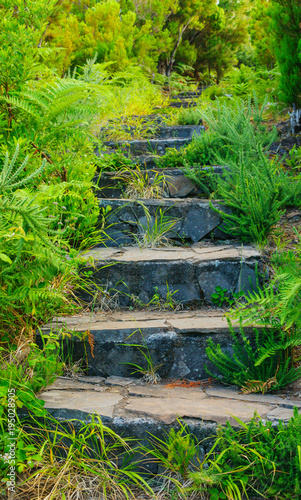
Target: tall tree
260	33
220	37
187	15
22	28
286	32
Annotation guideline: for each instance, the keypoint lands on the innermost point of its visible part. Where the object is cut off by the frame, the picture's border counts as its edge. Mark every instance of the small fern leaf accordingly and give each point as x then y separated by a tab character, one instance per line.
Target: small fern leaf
5	258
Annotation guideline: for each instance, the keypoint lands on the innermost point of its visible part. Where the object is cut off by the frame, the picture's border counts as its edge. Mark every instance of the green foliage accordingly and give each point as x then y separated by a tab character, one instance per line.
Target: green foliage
254	187
66	452
268	455
33	269
176	452
285	27
27	369
270	362
54	111
264	366
259	29
149	371
113	162
239	127
244	81
159	301
21	32
294	160
279	302
189	116
137	184
204	178
216	46
221	297
155	230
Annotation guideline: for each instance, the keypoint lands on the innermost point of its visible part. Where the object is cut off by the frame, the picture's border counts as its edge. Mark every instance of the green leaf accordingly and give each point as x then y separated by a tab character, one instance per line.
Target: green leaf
5	258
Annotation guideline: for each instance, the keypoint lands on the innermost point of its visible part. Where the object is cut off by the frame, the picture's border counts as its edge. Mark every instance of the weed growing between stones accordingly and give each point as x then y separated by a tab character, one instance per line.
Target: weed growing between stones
139	184
158	302
114	162
221	297
154	231
148	372
189	116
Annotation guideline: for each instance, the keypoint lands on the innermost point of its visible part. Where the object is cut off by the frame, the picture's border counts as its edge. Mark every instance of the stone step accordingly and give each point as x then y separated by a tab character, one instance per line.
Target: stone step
189	95
193	219
192	274
176	341
177	184
156	131
182	103
144	147
135	410
174	137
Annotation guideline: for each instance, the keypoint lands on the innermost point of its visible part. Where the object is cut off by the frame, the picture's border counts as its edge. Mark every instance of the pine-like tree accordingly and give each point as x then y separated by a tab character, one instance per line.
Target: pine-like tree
286	32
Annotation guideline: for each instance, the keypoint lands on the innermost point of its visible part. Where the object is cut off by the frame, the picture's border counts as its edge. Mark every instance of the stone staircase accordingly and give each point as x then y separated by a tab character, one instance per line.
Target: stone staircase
178	282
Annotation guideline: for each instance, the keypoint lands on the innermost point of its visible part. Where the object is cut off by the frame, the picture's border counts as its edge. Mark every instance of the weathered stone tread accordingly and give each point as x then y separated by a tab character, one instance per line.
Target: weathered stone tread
162	404
197	253
202	321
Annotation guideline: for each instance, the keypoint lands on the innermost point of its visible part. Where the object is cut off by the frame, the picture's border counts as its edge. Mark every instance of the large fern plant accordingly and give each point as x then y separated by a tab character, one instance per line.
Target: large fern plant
253	188
48	114
31	259
261	362
272	359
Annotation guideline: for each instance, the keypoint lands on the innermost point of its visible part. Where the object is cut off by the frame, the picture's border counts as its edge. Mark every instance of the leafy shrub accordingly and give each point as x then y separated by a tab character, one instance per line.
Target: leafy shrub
268	456
189	116
33	267
254	191
115	161
90	453
264	366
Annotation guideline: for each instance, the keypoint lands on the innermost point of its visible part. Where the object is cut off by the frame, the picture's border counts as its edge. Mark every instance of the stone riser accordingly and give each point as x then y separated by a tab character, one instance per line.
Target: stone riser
195	220
183	104
178	352
192	275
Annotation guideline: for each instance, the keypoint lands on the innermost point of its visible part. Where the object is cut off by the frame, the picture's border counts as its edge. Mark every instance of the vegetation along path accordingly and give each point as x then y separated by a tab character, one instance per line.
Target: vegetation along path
150	250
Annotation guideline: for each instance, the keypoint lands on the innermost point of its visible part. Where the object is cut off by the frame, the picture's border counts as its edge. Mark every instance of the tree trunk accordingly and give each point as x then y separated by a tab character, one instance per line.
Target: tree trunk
171	60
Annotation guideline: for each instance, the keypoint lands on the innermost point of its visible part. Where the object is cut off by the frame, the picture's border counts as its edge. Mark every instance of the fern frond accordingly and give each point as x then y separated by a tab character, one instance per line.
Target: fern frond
7	176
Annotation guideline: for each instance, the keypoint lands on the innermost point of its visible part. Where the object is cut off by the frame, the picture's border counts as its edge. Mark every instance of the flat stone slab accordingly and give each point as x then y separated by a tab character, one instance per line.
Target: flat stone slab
203	321
89	402
137	410
225	393
191	274
167	392
278	414
63	384
216	410
120	381
194	219
176	341
196	254
129	402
